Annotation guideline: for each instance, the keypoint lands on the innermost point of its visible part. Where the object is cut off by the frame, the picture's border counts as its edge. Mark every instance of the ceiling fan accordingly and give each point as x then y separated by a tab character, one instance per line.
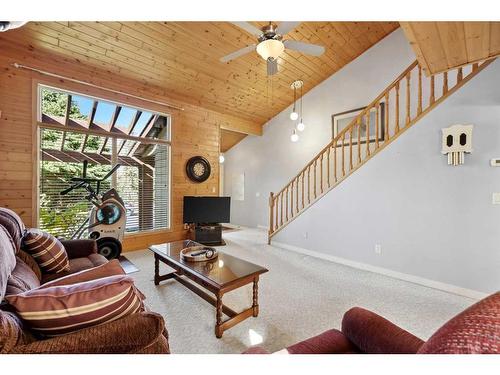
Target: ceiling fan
271	44
9	25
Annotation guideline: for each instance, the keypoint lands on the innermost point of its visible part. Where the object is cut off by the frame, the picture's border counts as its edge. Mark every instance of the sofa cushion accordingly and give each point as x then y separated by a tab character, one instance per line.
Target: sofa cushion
31	263
12	332
7	259
21	279
136	333
14	225
473	331
47	250
64	309
111	268
328	342
77	265
91	261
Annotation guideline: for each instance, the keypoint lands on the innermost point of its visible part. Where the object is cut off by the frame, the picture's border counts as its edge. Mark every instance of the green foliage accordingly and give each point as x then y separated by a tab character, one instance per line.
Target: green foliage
93	142
54	103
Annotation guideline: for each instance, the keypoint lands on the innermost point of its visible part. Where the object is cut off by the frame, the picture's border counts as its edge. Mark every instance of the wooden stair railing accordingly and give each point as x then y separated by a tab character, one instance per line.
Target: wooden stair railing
395	110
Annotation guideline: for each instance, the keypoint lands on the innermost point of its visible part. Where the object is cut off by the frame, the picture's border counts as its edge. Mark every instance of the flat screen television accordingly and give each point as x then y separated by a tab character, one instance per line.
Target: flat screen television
207	210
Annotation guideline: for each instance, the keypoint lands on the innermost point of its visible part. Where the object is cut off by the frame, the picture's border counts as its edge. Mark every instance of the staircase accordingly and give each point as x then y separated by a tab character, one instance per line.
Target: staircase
402	104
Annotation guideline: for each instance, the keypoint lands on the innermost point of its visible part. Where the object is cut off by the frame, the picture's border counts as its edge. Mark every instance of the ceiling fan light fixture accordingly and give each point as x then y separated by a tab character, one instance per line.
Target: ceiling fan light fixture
270	48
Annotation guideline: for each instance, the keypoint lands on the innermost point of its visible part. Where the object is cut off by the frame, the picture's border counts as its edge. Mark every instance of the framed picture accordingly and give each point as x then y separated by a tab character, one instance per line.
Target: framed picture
343	119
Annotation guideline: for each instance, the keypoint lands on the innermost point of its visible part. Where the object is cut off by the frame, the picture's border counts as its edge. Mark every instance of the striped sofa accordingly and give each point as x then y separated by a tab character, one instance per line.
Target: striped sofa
142	332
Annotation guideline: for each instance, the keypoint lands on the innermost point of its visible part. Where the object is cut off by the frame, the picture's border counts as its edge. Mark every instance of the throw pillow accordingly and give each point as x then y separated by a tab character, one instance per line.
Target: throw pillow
47	250
60	310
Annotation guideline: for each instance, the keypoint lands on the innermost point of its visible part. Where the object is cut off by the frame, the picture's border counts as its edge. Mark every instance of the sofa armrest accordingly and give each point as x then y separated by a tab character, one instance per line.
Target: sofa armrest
79	248
329	342
376	335
256	350
132	334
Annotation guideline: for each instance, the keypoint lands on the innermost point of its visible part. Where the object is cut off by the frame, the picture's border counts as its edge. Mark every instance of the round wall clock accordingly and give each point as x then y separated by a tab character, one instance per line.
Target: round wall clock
198	169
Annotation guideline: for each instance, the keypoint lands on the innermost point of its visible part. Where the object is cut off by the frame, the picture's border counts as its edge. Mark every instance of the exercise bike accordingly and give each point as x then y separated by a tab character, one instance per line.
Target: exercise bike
106	222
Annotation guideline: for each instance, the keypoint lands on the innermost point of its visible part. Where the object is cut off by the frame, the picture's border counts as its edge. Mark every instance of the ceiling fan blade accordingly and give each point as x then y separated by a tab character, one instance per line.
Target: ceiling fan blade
238	53
286	27
310	49
248	27
272	66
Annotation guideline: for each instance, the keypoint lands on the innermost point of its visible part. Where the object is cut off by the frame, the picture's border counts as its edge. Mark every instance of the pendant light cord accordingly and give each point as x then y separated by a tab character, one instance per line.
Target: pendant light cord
301	102
294	97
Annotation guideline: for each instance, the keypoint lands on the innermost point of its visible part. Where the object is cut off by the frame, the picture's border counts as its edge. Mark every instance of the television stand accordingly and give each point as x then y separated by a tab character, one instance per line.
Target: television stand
207	234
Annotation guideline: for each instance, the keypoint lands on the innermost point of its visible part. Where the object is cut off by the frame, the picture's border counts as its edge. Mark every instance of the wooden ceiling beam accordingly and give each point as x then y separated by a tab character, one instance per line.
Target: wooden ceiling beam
111	127
144	132
89	123
131	127
66	120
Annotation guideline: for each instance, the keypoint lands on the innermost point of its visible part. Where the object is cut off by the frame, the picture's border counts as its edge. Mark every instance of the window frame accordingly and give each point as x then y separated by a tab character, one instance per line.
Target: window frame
38	85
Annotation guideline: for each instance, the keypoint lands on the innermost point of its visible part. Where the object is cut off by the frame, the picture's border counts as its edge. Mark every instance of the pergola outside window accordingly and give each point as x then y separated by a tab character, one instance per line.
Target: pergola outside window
74	128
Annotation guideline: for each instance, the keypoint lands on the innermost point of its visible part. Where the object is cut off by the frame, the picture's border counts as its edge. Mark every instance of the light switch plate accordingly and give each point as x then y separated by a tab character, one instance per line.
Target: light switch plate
495	162
495	198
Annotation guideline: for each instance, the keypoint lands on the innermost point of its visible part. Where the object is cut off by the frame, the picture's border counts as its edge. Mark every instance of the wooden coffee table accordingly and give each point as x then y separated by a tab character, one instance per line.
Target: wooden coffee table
219	276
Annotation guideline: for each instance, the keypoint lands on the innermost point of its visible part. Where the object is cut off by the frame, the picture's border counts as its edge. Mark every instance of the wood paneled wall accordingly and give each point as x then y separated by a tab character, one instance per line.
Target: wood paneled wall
195	131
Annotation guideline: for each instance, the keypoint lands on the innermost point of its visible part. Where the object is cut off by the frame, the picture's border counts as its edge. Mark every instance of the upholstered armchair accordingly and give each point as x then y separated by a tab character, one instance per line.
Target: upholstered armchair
474	331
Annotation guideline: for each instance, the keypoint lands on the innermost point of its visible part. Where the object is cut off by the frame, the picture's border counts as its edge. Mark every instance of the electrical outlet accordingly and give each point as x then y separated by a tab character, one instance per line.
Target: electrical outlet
378	249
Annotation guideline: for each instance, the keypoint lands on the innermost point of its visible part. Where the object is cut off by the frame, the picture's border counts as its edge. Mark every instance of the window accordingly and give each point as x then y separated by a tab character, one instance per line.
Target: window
104	134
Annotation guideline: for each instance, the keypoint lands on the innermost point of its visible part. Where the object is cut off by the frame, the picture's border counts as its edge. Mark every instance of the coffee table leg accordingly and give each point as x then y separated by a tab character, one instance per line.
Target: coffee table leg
218	317
255	304
157	270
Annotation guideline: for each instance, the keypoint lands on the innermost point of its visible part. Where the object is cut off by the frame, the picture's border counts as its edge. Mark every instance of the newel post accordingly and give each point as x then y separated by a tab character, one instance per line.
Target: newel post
271	215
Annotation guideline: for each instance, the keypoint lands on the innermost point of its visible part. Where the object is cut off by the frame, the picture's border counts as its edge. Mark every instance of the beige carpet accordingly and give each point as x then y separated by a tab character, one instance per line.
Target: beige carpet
299	297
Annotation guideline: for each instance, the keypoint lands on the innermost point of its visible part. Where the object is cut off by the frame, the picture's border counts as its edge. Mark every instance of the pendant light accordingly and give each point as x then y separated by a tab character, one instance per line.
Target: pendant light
294	137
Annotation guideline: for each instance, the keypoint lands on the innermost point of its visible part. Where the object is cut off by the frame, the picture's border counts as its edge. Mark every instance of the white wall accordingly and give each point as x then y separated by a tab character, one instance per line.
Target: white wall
433	221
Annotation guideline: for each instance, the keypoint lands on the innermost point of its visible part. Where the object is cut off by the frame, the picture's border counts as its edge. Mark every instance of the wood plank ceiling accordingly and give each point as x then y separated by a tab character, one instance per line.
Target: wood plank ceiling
441	46
184	57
